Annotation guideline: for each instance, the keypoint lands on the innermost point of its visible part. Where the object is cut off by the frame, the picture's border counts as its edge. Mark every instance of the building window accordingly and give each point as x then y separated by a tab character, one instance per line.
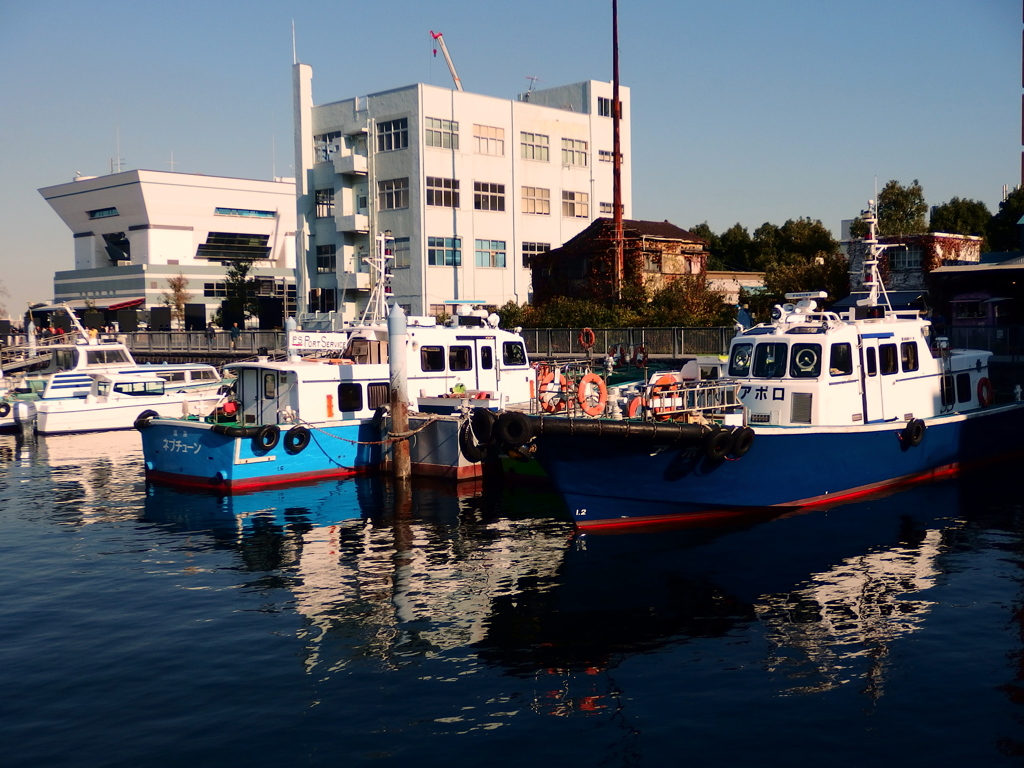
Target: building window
324	203
103	213
537	200
247	212
534	249
234	246
326	146
393	134
906	258
441	133
490	253
401	251
488	197
442	192
534	146
607	208
575	205
574	152
604	107
322	300
393	193
326	260
489	140
444	251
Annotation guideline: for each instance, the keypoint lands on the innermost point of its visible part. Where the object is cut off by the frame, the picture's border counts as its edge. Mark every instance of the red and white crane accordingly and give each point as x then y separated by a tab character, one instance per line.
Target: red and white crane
439	39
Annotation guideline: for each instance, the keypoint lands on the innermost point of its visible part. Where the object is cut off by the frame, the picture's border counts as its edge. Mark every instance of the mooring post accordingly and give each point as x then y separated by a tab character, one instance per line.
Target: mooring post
398	339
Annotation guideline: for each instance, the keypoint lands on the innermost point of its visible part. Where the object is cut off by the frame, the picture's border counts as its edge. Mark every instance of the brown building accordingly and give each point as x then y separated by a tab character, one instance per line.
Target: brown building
654	254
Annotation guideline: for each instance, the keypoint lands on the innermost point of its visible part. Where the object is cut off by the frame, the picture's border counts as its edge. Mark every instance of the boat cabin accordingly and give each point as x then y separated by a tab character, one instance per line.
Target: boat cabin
813	367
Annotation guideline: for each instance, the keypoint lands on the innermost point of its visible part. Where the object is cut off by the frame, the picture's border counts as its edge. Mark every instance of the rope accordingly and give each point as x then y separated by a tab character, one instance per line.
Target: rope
394	437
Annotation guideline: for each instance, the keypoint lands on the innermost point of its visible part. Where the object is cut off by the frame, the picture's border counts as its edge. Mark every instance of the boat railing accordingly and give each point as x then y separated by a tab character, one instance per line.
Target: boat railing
702	400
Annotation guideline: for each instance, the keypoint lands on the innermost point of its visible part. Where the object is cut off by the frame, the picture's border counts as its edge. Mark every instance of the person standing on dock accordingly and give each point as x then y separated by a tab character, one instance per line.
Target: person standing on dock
235	335
211	334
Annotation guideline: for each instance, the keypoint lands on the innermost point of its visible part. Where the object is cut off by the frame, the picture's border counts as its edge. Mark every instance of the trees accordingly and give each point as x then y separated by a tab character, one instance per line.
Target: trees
177	297
961	217
242	290
901	211
1003	234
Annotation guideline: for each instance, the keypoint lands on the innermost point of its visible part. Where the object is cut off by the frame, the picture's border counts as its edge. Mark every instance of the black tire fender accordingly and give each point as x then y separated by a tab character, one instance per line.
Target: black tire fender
513	429
470	450
296	439
718	444
143	419
913	433
266	437
483	420
742	442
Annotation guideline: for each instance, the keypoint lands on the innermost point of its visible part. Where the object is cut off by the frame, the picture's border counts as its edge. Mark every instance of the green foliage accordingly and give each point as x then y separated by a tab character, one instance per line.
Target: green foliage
738	252
961	217
703	231
513	315
242	290
901	211
1003	234
687	301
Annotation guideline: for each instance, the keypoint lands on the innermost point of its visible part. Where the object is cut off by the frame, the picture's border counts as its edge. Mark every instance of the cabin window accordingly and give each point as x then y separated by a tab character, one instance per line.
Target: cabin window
204	375
172	375
432	358
378	394
350	397
908	354
106	356
770	360
964	394
513	353
139	388
269	385
806	361
887	358
487	358
841	360
460	359
739	361
872	361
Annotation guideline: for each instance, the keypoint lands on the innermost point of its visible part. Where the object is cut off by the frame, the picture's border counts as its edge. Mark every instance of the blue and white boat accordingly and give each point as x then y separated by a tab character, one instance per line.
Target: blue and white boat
817	409
64	374
315	417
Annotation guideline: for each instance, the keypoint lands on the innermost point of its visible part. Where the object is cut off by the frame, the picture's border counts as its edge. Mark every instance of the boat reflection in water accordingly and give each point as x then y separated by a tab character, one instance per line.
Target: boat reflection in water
377	573
453	575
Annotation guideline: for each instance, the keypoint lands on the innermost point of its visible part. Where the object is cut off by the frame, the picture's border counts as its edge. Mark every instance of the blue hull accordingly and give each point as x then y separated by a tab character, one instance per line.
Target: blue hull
610	483
191	454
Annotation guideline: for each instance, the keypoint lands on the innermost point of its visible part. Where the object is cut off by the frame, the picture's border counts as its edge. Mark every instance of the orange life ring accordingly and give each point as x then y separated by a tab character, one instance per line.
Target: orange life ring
584	394
636	406
640	356
986	392
549	393
663	384
587	338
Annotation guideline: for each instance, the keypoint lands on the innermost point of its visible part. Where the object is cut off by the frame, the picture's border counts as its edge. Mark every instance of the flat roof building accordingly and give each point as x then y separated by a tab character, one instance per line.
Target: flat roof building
136	229
469	186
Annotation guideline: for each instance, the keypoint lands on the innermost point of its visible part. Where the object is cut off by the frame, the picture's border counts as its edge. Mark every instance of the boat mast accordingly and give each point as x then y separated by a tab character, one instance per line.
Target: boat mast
872	278
376	308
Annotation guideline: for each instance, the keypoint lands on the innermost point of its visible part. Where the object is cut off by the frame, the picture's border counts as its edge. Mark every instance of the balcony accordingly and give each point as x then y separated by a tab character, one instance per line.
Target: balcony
350	163
353	222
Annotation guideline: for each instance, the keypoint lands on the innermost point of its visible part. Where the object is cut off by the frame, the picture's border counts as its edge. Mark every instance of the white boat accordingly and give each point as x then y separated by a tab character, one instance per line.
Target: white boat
62	371
115	401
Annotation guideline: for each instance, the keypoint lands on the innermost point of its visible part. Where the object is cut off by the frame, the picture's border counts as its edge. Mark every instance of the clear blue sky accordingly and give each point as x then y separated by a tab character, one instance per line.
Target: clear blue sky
743	110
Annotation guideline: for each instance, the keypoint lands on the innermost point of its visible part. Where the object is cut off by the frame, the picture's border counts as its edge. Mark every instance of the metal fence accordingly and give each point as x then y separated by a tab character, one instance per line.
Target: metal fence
196	343
667	342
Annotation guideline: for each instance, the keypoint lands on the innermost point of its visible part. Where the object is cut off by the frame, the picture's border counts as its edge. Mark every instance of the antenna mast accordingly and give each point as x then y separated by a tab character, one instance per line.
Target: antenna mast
617	157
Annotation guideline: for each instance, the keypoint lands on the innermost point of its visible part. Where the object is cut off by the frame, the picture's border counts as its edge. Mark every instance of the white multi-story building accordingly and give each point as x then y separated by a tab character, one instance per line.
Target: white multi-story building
134	230
469	186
